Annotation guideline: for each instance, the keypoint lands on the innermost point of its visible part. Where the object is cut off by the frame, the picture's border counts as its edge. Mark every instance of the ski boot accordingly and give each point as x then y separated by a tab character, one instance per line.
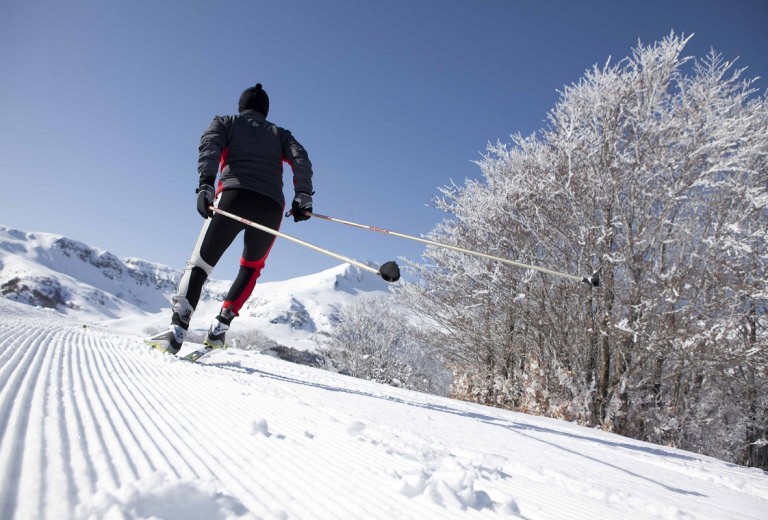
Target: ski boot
214	338
169	340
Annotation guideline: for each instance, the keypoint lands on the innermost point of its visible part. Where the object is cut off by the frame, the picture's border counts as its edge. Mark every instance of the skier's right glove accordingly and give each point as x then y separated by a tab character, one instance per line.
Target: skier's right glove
301	203
204	200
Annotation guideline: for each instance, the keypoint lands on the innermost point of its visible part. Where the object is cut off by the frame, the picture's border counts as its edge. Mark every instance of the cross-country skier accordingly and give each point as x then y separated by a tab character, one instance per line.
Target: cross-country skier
251	151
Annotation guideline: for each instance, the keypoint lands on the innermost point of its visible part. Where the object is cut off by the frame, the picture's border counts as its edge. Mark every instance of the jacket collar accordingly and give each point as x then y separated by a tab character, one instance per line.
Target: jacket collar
254	113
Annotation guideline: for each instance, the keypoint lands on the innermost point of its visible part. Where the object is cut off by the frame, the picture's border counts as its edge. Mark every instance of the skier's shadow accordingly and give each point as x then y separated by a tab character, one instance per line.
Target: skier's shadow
516	427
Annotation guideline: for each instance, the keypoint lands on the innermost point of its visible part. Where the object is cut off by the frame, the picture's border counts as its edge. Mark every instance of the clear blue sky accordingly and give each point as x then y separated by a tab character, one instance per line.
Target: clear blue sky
102	104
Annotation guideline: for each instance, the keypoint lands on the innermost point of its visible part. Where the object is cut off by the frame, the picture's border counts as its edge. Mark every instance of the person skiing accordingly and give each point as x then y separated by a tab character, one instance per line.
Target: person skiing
251	152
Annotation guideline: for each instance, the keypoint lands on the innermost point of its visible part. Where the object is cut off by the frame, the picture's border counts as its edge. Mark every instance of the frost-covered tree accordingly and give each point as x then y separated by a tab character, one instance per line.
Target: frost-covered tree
373	340
653	170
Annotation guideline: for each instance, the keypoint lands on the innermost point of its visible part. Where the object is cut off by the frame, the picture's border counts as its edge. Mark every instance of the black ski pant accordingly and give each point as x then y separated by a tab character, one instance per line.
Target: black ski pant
216	236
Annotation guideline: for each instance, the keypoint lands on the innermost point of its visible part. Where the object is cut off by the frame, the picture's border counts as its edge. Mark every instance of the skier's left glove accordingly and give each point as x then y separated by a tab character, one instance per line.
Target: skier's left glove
302	202
204	200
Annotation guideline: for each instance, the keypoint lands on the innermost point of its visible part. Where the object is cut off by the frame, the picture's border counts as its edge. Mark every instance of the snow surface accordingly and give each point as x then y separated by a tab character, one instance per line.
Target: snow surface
95	425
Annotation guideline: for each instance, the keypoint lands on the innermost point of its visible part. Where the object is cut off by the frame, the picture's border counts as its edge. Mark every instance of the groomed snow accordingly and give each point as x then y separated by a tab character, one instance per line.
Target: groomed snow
94	425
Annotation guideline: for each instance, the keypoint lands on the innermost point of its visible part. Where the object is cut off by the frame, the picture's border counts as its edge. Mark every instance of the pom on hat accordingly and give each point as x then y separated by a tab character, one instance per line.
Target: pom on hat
254	98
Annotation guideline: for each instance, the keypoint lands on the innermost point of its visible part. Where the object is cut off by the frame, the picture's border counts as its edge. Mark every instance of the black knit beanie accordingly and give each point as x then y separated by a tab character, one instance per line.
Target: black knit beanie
254	98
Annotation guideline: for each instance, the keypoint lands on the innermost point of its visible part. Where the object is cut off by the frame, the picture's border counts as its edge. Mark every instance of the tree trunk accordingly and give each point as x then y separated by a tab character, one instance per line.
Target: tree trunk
756	453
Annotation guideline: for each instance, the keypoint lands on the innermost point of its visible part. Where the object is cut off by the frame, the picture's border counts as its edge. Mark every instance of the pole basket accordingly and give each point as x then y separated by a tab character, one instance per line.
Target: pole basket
389	272
593	280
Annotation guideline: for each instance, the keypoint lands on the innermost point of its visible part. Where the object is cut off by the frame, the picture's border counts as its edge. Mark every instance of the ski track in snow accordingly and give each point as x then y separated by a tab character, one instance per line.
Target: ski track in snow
95	425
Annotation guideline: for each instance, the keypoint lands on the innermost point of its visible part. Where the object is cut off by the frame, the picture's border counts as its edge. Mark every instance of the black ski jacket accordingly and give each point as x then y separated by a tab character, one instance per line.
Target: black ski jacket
251	152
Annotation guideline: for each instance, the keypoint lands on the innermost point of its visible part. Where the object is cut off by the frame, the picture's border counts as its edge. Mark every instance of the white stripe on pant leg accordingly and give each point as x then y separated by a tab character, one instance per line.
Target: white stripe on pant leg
195	260
181	305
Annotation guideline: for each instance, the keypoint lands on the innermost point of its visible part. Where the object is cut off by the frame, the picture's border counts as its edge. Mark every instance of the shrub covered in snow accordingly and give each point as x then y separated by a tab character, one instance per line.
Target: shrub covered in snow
373	340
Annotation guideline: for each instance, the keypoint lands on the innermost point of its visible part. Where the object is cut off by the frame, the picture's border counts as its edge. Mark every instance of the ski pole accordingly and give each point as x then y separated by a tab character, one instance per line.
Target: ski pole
593	280
389	271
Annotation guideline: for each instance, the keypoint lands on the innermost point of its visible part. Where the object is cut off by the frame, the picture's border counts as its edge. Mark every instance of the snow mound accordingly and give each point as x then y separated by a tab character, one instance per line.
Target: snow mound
158	496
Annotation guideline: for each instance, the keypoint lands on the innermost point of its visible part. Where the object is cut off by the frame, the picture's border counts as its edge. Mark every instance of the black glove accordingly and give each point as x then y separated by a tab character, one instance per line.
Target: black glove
301	203
204	200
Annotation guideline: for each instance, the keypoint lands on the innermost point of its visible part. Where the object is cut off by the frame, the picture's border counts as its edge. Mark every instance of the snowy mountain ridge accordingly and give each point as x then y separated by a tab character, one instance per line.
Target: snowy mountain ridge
95	286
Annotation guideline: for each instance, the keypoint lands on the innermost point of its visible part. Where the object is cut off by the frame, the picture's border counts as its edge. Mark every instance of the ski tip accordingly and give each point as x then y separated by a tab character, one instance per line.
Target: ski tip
389	272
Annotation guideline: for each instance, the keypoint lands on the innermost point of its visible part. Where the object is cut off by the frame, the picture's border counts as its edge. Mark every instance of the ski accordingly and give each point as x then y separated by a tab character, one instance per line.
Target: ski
192	356
163	344
197	354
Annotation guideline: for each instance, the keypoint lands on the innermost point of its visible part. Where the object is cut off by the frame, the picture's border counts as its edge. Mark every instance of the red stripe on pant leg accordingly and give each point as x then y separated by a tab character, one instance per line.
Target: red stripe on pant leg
257	266
243	297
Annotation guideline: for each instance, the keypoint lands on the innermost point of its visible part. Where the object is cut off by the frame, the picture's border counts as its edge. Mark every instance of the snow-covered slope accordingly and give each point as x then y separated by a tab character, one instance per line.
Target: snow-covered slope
94	286
93	425
52	271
